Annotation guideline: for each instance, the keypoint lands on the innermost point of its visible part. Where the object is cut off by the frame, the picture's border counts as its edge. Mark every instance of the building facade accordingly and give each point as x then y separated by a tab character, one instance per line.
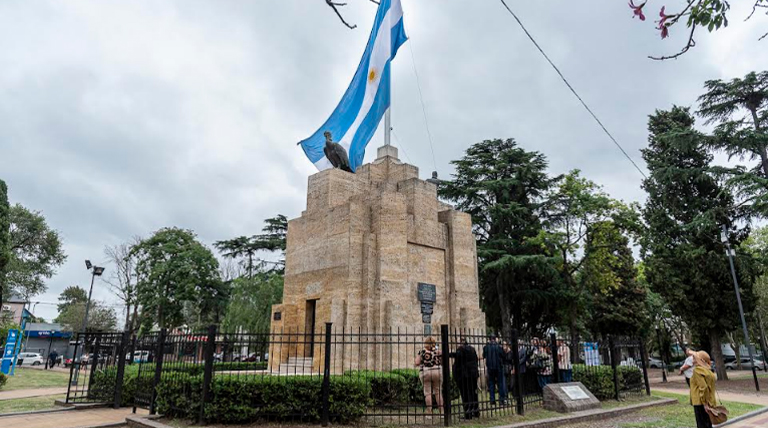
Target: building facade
376	251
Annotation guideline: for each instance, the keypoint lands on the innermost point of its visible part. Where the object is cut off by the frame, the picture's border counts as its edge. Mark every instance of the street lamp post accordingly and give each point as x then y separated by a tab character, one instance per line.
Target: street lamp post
731	253
95	271
661	356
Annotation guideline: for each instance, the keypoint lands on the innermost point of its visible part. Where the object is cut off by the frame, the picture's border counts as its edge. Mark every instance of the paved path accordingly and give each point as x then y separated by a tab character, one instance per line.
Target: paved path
760	400
68	419
26	393
759	421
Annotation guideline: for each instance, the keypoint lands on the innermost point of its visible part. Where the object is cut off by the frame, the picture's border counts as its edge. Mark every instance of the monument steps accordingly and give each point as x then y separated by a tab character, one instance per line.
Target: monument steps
295	366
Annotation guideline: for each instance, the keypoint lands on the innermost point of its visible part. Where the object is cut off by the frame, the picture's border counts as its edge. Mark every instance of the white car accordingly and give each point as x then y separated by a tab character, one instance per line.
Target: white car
30	359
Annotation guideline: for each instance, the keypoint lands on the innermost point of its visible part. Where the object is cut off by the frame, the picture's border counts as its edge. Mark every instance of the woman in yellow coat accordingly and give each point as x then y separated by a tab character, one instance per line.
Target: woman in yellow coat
702	388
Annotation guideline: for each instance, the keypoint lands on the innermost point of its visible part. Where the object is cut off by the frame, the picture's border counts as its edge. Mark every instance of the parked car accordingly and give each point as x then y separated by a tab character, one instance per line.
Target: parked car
67	362
655	363
139	356
746	364
30	359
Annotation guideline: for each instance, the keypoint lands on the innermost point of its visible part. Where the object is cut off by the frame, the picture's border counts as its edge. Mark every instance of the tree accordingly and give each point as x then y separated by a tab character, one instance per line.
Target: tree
710	14
100	317
35	252
71	296
502	187
250	306
122	279
619	302
273	239
174	268
5	239
741	136
572	207
685	262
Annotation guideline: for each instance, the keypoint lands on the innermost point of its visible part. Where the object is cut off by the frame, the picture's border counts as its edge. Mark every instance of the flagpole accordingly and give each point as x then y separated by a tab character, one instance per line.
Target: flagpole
387	126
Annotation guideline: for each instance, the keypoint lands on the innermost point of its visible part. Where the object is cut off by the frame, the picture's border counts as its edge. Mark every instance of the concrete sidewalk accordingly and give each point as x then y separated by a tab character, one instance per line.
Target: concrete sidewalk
69	419
760	400
27	393
759	421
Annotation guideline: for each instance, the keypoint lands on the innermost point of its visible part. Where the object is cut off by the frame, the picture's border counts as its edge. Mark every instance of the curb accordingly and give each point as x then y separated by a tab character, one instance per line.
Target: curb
744	416
590	415
587	416
36	412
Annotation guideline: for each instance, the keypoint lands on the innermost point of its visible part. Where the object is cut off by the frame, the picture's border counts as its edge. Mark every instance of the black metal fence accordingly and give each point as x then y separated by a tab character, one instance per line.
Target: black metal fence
343	375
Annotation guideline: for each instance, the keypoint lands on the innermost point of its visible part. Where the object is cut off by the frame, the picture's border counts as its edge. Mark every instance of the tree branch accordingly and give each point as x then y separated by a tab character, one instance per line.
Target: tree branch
334	6
691	43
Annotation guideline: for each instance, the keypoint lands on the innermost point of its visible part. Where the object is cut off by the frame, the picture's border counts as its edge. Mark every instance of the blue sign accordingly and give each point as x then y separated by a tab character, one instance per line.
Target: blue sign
9	353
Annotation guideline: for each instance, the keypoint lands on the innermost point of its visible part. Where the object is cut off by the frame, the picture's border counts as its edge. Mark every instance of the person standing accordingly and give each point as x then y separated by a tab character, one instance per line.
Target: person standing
702	388
466	374
543	364
564	361
509	364
687	367
52	357
428	362
494	363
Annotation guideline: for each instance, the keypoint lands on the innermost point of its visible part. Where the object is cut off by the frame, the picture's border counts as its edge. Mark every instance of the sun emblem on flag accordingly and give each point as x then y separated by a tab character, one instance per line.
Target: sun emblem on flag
372	75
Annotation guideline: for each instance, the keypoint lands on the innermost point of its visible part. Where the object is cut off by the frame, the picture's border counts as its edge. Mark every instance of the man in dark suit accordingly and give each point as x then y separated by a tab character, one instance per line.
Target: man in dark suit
466	375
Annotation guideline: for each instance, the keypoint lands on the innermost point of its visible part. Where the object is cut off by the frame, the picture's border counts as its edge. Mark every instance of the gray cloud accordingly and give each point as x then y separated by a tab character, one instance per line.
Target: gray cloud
118	118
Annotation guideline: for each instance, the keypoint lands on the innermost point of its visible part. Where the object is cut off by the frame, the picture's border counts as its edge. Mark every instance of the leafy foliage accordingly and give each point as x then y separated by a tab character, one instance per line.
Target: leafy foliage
685	262
743	137
5	240
618	304
174	268
250	305
502	187
35	252
273	239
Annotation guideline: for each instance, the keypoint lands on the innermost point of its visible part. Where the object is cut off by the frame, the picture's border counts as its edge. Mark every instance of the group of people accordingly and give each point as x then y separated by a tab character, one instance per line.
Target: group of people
501	370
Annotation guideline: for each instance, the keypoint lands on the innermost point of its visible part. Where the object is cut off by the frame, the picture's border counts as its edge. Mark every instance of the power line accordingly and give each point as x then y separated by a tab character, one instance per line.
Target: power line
573	90
421	99
402	146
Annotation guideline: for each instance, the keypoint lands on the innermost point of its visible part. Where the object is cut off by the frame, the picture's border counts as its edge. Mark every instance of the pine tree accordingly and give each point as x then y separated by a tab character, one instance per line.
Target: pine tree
502	187
685	261
5	240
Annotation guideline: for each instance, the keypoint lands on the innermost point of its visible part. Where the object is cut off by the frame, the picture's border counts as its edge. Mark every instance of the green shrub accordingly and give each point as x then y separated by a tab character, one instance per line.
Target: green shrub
236	400
386	388
599	379
3	380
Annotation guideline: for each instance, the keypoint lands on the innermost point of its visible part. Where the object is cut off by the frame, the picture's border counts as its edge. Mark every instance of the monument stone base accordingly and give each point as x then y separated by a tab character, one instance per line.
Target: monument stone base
569	397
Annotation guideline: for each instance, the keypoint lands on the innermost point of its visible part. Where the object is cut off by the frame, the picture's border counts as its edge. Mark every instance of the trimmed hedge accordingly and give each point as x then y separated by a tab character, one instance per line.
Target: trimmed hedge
245	400
599	379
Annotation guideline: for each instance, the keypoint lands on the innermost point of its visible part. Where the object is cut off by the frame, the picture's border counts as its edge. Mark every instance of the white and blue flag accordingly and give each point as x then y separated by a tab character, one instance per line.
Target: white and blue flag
357	116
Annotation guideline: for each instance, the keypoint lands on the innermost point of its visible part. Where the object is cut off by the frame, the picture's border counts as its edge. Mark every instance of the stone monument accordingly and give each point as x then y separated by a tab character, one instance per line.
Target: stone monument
569	397
375	251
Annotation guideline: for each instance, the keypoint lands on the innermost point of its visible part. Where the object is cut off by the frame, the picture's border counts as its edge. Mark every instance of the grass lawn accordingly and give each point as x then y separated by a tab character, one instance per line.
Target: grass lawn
34	378
29	404
681	414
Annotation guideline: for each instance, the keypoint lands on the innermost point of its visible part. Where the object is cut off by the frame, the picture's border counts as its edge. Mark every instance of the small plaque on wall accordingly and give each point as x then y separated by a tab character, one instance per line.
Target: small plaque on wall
278	316
427	293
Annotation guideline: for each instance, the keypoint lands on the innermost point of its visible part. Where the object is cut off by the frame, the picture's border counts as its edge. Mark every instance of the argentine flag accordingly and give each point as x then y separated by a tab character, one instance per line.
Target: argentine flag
357	116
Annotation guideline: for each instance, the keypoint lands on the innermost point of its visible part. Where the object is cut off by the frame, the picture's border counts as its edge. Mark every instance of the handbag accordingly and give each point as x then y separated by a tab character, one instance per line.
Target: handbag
718	414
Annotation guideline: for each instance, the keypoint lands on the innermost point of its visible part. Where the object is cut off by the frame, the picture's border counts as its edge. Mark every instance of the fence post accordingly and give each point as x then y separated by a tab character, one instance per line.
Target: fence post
612	353
644	357
158	369
555	359
326	388
94	362
518	389
72	366
120	371
210	348
444	348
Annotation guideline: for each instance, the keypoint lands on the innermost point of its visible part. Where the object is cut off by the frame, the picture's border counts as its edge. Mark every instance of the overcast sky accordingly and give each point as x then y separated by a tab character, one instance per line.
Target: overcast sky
118	118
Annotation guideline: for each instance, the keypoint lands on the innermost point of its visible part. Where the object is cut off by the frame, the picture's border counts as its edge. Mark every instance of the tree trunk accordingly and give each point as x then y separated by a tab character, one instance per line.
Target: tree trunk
504	307
763	154
127	317
717	355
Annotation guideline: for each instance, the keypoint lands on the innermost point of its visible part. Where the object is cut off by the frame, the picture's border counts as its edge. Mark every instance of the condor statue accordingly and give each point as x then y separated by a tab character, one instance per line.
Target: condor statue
335	153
